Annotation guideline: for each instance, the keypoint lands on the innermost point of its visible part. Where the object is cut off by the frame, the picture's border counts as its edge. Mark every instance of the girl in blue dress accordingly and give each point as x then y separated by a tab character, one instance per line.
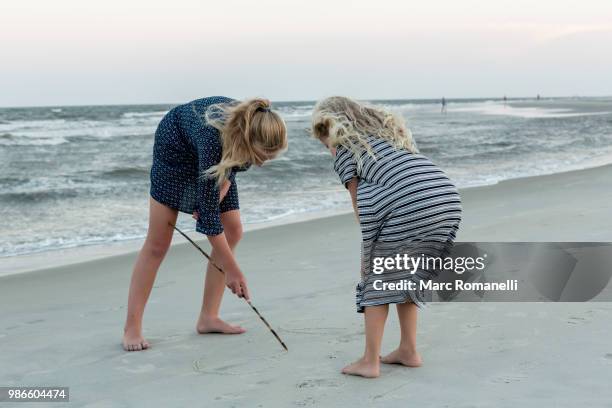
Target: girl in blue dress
199	147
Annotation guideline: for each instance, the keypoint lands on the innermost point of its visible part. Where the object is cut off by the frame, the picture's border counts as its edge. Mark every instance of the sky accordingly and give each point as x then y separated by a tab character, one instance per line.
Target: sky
74	52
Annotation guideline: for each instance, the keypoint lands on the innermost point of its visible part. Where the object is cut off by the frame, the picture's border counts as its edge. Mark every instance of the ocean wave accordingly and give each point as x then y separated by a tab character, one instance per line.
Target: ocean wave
82	184
9	139
46	244
59	131
527	112
295	112
11	126
127	172
119	186
24	197
155	114
405	106
494	143
9	182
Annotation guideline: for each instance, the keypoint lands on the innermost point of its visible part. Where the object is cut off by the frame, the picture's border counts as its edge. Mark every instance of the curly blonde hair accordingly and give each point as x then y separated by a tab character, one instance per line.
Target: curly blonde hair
251	133
339	120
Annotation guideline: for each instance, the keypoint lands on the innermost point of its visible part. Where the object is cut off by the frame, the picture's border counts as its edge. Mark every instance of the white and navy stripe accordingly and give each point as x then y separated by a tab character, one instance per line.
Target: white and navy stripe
406	204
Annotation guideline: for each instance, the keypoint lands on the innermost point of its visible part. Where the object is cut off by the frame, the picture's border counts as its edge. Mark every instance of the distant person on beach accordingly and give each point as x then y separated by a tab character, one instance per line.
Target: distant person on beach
404	204
443	109
505	100
199	147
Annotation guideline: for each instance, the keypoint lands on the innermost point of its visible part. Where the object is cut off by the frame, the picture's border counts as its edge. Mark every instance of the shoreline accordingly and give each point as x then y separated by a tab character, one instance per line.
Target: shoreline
54	258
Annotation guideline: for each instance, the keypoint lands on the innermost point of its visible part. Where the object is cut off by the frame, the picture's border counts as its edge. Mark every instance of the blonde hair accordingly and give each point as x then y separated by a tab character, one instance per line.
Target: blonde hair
251	133
339	120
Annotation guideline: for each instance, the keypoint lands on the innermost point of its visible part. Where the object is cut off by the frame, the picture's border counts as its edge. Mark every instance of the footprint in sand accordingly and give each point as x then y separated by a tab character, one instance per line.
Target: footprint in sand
470	329
577	320
508	379
35	321
140	369
503	345
527	365
348	338
305	402
229	397
319	383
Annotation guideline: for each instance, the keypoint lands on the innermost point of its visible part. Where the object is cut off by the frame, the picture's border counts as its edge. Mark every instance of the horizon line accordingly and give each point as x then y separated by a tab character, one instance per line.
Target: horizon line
448	99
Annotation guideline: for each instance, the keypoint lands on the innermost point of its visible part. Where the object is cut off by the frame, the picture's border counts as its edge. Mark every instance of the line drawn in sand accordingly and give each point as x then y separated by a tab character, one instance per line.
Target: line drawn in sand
245	366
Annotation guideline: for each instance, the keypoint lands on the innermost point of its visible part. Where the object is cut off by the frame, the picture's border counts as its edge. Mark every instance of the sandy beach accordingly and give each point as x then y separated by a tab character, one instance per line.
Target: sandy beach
62	326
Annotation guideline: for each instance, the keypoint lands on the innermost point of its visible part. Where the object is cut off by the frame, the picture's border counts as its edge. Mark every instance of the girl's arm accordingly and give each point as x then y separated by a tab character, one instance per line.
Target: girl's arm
234	278
351	185
352	188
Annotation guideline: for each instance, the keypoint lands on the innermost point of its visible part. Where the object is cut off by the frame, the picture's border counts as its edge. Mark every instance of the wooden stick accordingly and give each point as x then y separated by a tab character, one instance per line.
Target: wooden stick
221	270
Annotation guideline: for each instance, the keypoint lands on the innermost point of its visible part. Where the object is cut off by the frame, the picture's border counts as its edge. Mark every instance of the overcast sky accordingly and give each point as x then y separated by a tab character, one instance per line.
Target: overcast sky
65	52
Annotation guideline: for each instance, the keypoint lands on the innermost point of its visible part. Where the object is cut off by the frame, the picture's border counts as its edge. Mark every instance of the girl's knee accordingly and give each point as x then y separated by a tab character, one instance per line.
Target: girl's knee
156	248
233	234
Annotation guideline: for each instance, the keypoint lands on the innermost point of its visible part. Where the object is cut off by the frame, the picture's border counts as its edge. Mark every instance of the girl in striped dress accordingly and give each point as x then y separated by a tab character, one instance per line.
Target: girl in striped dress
405	206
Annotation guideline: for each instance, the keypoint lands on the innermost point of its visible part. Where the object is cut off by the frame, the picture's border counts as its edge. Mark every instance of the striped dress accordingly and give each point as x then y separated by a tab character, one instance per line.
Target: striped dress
406	205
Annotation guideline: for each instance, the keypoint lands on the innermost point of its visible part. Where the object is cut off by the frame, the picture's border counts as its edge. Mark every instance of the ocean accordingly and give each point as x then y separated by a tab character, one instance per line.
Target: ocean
74	176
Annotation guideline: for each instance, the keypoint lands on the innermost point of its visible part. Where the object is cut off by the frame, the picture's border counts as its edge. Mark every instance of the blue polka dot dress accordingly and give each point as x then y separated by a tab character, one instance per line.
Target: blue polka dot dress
185	147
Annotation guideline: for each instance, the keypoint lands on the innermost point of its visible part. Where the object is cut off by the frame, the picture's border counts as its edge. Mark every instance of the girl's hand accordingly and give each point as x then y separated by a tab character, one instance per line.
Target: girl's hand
235	280
195	215
224	189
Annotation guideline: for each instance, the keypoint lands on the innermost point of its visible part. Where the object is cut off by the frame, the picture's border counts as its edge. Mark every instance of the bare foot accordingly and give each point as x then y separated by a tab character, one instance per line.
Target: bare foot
363	368
406	358
216	325
133	341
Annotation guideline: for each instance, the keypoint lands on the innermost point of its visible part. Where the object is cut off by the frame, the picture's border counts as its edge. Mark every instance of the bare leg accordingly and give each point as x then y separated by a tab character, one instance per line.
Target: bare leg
159	237
406	354
369	365
214	284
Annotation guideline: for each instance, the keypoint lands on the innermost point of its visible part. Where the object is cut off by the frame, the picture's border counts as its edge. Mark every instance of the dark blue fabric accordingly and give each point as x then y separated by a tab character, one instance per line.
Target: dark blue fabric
185	147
